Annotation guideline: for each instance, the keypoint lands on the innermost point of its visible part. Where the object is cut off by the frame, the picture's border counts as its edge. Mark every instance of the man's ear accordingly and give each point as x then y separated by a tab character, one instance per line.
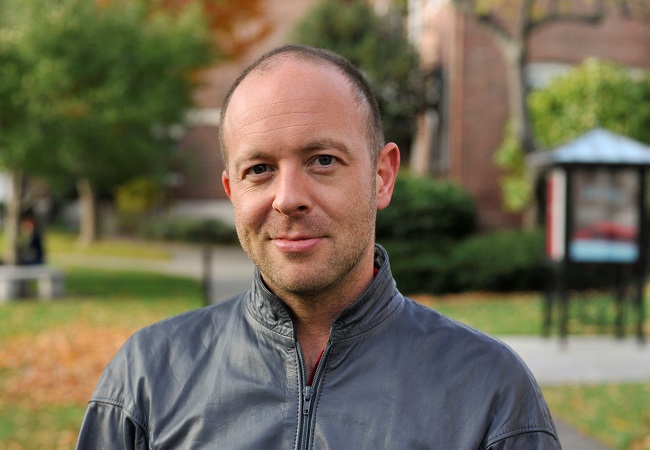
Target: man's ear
387	168
225	180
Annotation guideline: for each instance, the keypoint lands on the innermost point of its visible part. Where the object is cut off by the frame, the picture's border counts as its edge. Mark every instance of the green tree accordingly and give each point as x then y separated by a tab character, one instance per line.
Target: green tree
595	94
379	47
226	19
100	85
20	133
512	22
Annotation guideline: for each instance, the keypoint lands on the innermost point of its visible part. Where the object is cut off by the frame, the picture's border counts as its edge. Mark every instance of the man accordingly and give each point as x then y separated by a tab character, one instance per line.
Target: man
323	352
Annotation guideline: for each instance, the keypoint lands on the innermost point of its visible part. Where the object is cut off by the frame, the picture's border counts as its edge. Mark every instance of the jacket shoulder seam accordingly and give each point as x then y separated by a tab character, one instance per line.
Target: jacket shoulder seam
126	411
519	431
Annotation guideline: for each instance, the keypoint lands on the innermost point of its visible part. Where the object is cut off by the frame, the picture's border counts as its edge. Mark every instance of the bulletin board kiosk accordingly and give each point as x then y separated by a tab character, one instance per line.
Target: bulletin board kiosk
596	221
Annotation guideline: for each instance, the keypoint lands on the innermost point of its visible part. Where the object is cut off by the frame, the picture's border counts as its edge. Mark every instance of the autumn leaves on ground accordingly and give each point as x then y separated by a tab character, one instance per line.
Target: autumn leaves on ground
52	354
57	368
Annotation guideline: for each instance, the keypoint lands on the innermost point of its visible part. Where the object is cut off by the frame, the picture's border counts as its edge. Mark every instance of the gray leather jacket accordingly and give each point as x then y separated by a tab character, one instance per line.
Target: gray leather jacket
394	375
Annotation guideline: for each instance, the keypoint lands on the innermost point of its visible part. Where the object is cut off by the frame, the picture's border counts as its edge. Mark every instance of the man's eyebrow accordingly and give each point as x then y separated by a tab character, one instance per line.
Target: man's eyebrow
325	143
255	155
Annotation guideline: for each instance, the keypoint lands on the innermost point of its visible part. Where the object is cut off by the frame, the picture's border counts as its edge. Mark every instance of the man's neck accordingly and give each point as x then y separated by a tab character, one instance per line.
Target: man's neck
314	315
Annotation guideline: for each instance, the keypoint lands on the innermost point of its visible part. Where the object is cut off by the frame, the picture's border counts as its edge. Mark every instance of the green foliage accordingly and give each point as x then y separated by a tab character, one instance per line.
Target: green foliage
516	188
419	228
186	229
139	195
97	84
379	47
134	200
423	208
499	261
421	265
19	133
595	94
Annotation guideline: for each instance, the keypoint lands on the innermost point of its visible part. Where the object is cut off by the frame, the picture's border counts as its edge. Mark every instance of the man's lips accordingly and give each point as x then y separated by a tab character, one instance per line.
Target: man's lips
296	244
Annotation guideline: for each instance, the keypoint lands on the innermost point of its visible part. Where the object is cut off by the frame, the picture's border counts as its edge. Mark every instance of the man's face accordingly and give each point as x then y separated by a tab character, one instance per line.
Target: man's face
300	178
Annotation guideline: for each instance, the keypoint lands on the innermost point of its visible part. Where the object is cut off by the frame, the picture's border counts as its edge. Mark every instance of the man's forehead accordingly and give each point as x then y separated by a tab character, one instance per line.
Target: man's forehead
290	61
292	82
294	74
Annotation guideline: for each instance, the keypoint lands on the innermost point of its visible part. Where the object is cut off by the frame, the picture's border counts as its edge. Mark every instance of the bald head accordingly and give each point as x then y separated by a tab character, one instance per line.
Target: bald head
318	57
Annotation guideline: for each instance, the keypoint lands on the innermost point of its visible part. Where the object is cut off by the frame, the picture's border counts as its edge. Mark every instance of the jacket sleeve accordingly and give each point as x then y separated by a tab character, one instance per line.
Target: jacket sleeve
520	418
532	440
107	427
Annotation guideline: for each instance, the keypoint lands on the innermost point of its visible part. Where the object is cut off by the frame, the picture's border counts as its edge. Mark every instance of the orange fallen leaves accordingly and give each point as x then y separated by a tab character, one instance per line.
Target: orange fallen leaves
58	366
641	444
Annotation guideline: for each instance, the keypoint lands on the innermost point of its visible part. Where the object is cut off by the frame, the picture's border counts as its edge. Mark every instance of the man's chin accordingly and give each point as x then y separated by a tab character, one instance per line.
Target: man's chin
298	283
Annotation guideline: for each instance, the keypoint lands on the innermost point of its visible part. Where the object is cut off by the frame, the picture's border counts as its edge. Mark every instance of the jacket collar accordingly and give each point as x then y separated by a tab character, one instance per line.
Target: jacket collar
377	303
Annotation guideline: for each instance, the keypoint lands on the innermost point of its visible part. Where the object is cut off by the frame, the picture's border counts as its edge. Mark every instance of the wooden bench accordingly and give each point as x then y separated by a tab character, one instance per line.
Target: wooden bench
13	280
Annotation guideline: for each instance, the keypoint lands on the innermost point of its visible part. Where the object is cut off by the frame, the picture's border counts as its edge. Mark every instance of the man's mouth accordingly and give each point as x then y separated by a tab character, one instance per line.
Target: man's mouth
296	244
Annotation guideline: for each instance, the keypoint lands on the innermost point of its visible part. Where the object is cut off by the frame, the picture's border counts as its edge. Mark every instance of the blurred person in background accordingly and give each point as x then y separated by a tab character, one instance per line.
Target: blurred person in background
30	248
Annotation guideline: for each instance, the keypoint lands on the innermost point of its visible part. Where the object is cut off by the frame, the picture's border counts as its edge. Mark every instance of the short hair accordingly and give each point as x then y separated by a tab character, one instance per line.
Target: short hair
358	82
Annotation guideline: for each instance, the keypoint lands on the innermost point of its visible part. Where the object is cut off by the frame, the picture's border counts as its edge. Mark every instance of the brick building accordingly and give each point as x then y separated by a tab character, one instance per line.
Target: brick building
460	141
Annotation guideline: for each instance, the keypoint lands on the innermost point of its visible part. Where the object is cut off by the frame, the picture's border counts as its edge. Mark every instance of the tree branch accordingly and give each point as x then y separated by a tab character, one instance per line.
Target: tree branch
556	15
635	9
493	26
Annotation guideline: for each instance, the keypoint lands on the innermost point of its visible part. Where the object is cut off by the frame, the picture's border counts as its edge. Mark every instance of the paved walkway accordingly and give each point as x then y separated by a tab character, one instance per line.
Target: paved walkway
578	360
583	360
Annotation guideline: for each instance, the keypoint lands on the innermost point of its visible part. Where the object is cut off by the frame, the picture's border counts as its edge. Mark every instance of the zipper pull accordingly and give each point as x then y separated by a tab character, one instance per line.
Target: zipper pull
307	394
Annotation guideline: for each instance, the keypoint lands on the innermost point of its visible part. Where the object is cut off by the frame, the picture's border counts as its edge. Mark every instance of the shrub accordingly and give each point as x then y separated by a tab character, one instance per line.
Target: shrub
423	207
419	229
191	230
134	200
500	261
420	266
595	94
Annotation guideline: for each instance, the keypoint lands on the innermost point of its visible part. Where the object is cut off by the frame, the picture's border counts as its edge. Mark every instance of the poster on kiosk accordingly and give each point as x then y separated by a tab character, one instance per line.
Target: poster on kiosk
605	215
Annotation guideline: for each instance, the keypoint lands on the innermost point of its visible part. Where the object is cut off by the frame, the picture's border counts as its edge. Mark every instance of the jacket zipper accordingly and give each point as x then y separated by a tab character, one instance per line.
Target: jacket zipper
308	392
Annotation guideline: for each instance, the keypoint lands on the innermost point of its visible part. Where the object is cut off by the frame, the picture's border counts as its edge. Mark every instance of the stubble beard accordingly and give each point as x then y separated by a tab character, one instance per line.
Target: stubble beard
332	276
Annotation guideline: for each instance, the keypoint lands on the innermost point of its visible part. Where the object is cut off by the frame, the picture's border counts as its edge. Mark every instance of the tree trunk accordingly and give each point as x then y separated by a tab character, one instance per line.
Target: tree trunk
12	218
515	55
88	232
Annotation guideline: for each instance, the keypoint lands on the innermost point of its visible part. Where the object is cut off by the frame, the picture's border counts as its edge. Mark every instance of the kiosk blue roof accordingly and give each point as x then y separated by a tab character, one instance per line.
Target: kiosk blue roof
597	146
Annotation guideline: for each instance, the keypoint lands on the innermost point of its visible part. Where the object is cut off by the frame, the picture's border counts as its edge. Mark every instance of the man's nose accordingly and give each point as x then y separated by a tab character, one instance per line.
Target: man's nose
291	192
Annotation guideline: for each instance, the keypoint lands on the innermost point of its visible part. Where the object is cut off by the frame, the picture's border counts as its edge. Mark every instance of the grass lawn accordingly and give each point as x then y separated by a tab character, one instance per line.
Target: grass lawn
615	414
59	242
51	354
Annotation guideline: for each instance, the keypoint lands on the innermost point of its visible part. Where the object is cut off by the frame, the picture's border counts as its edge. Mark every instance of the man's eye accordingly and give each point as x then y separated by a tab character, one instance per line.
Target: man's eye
325	160
258	169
